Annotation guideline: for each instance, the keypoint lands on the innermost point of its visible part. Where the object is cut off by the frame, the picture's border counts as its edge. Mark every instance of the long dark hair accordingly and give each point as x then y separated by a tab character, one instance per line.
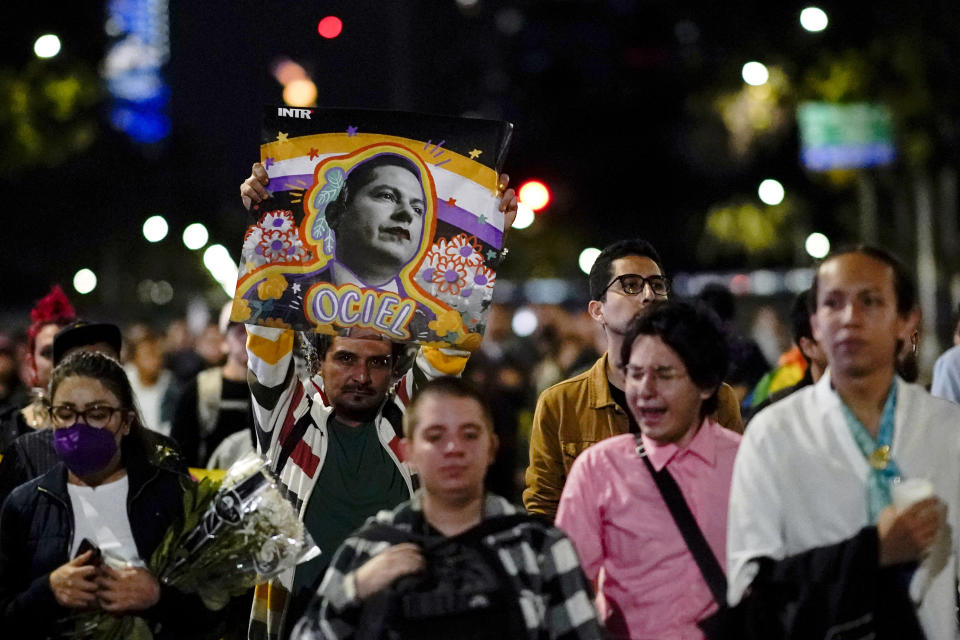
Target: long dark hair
108	372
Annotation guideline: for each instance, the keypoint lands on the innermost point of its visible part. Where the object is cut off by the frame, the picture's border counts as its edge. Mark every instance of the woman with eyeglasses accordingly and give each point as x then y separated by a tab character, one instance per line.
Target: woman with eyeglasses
78	537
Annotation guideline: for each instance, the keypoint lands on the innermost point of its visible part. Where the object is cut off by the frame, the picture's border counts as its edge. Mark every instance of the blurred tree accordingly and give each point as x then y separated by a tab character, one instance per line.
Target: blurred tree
47	113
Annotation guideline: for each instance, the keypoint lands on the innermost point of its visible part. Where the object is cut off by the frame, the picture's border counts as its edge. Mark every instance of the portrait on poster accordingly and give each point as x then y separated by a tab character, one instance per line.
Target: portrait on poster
370	227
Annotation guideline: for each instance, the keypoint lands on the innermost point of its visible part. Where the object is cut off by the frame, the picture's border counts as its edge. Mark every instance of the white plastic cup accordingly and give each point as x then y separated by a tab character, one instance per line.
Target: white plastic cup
907	492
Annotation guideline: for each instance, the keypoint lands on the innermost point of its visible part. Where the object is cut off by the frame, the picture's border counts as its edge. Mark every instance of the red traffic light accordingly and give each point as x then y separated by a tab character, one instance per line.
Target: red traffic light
330	27
534	194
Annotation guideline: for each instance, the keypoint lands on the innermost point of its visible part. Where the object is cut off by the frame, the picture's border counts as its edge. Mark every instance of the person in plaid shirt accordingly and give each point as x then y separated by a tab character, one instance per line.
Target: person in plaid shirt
453	561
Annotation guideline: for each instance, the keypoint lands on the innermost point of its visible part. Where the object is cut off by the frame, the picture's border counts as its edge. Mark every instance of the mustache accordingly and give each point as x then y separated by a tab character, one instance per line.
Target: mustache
355	387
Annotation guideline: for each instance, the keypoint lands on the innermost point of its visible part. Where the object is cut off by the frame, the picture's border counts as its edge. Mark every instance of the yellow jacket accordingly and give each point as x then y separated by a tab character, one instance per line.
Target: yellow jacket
576	413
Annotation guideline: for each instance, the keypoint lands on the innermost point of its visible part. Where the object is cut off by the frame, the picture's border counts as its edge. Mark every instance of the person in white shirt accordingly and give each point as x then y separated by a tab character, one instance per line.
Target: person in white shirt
814	545
78	537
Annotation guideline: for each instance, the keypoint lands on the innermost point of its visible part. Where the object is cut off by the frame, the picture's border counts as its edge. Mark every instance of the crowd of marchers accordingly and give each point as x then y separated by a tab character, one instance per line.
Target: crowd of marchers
651	508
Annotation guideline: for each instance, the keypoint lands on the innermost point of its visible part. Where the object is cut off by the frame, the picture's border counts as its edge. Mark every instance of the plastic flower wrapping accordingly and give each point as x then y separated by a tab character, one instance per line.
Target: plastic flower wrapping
233	535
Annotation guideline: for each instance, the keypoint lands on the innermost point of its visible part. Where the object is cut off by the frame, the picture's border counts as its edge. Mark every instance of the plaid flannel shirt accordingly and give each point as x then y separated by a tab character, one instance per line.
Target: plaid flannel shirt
545	577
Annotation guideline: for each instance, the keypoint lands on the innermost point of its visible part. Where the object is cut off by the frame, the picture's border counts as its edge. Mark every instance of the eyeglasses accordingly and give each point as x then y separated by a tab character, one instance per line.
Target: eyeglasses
633	284
97	416
660	374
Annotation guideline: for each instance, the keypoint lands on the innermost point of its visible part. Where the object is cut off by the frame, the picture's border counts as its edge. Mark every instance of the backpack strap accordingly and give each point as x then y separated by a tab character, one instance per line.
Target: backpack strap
692	535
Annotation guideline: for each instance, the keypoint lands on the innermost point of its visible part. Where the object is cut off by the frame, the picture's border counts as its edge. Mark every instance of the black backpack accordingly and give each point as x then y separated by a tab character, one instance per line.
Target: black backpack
464	588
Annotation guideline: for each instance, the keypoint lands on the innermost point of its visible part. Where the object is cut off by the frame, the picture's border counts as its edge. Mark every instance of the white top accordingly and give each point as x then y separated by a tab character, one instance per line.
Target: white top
150	399
342	275
799	482
100	514
946	375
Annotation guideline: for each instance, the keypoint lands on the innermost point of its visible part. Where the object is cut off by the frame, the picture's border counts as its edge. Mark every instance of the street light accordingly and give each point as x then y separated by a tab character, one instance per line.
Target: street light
525	216
755	73
770	192
46	46
814	19
524	322
587	257
817	245
155	228
534	194
218	262
84	281
195	236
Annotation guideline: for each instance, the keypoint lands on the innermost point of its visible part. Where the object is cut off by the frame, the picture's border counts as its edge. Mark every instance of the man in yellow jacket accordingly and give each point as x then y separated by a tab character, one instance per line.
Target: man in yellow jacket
576	413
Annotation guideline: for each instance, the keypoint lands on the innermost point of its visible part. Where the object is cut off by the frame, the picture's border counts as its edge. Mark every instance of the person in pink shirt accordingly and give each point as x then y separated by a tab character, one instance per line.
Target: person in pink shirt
649	584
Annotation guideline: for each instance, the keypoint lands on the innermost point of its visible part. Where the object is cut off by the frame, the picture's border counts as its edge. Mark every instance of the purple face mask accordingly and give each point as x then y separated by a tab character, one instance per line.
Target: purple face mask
84	449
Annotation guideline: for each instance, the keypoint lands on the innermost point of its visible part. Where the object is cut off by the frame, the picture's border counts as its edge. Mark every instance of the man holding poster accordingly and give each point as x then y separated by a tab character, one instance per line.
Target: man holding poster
348	270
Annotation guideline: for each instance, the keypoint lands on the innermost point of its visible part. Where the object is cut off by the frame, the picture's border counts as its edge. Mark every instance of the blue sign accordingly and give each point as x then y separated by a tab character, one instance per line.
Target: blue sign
133	68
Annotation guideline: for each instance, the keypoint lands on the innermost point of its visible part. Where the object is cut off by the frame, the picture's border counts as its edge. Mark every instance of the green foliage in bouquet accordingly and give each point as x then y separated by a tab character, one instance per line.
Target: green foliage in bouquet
232	535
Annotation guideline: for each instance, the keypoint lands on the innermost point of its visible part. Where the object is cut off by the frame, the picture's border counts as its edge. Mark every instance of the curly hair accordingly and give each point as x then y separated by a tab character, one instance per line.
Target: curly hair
53	308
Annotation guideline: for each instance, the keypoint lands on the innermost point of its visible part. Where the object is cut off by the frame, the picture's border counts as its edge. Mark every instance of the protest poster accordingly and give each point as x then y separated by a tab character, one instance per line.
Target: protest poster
377	219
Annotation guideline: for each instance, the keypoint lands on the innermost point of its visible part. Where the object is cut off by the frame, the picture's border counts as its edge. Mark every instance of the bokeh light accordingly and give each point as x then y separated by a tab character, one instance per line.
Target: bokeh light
587	257
534	194
286	71
817	245
814	19
218	262
46	46
300	93
525	217
524	322
155	228
755	73
195	236
330	27
770	192
84	281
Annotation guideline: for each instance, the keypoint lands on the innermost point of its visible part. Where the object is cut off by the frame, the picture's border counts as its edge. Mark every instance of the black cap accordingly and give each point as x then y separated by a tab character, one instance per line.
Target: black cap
81	333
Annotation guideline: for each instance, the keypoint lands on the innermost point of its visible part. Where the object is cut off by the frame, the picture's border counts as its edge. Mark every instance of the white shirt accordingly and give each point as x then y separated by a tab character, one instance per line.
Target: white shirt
150	399
341	275
946	375
800	482
100	514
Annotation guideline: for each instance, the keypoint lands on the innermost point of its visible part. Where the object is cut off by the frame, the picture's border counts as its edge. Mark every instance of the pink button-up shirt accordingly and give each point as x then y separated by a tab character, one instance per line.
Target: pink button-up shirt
649	584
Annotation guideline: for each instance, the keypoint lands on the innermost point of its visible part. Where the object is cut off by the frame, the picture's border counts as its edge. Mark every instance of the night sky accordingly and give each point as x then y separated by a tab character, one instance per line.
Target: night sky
611	102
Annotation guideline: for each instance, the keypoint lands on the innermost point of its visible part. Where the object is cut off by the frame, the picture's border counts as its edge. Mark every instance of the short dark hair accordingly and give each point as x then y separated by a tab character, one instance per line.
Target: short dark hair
400	352
362	174
445	386
719	298
800	317
693	334
903	284
602	270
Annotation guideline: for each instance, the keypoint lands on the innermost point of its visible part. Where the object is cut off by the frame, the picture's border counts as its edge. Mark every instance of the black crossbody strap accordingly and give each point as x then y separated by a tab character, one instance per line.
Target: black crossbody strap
706	561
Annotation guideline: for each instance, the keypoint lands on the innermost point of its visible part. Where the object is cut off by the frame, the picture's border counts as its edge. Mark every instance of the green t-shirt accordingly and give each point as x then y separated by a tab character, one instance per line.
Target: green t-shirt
358	479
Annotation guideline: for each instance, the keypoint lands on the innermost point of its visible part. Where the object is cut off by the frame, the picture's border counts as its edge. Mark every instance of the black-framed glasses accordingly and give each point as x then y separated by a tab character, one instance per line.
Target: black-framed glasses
633	284
97	416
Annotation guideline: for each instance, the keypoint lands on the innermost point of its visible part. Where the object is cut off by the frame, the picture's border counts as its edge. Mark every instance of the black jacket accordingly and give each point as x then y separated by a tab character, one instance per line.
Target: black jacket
36	529
835	592
32	454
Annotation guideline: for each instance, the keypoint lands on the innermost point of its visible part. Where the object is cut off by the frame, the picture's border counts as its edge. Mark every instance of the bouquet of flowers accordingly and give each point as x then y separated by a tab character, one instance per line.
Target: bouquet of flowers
233	535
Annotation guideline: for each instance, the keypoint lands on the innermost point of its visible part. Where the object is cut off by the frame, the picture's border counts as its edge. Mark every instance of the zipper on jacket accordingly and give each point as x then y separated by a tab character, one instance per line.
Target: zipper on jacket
69	511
